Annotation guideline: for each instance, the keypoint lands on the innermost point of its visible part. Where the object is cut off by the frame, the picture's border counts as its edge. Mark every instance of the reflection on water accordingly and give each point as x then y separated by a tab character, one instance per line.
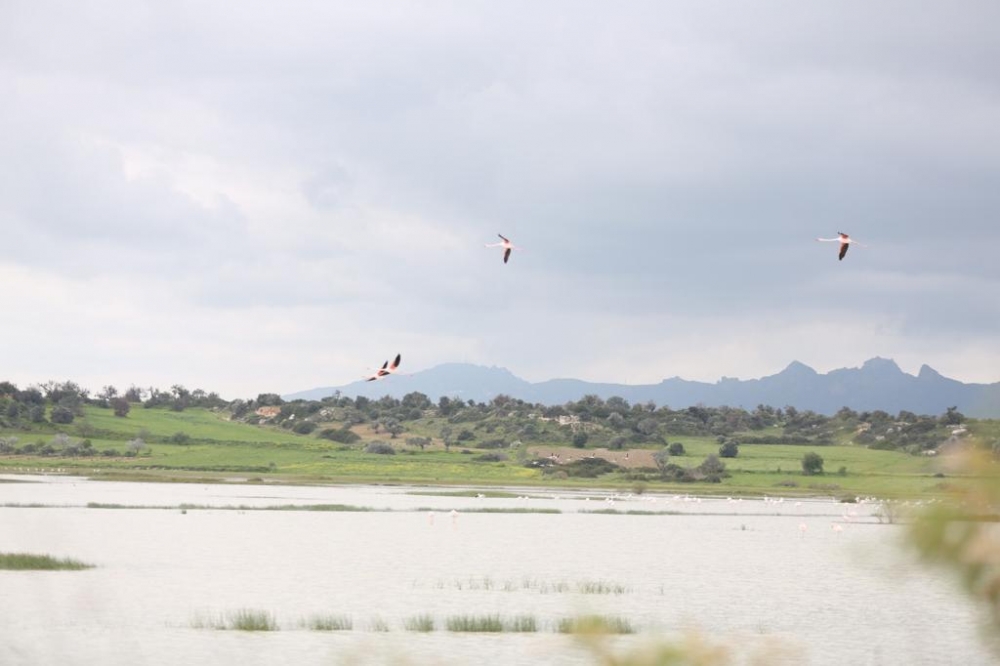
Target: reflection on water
740	572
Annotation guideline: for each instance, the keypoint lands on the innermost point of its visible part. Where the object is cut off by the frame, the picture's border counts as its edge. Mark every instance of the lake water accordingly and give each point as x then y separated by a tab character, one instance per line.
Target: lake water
810	582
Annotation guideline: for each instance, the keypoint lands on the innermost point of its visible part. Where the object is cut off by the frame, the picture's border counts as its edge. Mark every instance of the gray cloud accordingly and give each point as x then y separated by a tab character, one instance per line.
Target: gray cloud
336	170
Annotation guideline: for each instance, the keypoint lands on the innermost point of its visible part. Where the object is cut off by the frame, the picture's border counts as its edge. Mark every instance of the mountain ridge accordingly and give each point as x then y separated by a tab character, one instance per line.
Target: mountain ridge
878	384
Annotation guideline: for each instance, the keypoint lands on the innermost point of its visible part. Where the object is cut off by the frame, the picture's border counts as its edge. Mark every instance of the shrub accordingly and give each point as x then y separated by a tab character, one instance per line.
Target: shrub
729	449
135	447
342	435
812	463
712	465
418	441
180	438
304	427
121	407
676	449
61	414
381	448
491	457
588	467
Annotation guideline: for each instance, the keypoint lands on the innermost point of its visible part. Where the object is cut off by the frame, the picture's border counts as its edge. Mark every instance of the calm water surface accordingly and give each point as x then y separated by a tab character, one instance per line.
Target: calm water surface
759	576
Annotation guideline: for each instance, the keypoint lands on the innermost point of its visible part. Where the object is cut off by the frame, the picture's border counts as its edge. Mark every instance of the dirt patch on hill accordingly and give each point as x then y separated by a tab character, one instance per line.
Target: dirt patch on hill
630	459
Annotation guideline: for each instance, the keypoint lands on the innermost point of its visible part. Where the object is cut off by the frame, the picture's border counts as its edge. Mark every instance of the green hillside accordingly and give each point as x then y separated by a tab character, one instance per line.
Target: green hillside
592	443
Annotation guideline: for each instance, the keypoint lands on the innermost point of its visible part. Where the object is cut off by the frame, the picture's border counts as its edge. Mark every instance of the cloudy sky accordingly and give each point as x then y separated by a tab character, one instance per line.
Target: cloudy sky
262	196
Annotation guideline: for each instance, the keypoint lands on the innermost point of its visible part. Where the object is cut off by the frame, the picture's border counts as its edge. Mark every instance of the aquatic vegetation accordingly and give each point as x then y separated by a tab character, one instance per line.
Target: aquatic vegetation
595	624
521	624
474	623
246	619
329	623
378	624
423	622
30	562
600	587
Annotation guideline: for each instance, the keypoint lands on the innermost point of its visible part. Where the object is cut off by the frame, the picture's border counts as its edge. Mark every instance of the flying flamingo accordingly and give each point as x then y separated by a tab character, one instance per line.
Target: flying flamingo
506	245
844	241
386	369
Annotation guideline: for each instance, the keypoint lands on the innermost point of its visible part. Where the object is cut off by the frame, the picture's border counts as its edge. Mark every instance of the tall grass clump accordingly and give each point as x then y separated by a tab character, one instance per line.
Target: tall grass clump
600	587
595	624
246	619
330	623
208	622
423	622
378	624
29	562
475	623
521	624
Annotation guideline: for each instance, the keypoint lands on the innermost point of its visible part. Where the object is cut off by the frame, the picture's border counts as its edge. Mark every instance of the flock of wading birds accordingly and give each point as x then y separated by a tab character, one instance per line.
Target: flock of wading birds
507	246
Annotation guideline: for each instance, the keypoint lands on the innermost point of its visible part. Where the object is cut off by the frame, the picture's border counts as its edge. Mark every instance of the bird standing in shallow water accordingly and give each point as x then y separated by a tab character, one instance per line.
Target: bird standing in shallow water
844	240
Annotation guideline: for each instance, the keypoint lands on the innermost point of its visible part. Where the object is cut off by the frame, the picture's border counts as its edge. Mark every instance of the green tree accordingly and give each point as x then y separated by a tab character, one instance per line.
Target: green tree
729	449
393	427
121	407
661	459
676	449
952	417
711	466
447	435
418	441
135	447
342	435
304	427
812	463
61	415
416	400
647	426
380	448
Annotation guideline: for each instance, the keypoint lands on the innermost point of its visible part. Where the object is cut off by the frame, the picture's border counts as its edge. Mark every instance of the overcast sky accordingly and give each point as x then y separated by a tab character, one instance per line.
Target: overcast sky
262	196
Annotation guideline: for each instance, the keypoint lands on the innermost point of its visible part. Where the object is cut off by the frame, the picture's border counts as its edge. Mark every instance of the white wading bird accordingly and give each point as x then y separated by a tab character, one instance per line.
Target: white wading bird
506	245
386	369
844	241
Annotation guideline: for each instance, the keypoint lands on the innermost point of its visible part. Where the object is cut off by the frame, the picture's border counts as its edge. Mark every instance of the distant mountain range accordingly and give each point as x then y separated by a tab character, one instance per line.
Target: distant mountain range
878	384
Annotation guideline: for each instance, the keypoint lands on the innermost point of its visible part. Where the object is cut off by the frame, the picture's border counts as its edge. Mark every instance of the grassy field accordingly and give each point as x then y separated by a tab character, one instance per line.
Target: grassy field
217	449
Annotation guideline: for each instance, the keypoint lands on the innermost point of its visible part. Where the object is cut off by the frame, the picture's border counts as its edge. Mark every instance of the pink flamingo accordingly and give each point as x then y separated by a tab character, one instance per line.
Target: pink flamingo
844	241
506	245
386	369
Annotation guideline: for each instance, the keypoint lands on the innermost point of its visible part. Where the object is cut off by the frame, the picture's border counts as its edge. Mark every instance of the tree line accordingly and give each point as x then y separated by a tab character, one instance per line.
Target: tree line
501	422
